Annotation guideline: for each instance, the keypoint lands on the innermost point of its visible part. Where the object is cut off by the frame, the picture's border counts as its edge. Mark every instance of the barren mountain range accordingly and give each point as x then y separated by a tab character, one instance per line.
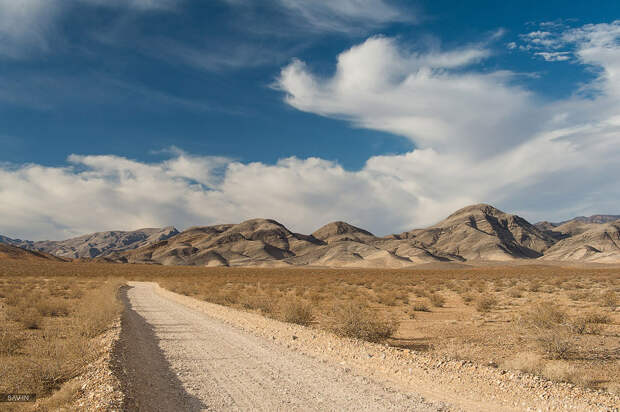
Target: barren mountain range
474	233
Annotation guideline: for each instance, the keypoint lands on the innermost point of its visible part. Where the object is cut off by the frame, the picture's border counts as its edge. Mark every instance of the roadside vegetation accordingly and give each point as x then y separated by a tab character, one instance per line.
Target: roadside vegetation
49	329
560	323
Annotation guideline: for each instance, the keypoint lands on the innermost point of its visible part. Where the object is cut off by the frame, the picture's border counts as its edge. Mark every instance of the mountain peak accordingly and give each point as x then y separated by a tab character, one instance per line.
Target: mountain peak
339	228
483	208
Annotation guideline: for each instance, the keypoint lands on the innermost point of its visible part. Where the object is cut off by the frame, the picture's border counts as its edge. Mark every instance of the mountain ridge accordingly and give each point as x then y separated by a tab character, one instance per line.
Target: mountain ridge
477	232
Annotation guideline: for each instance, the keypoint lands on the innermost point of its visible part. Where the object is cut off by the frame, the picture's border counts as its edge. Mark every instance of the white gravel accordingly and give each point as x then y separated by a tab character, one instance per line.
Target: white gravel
179	358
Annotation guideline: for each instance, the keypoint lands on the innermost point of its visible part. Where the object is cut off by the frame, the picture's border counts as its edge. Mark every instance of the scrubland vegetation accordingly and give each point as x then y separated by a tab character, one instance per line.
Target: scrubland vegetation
560	323
48	332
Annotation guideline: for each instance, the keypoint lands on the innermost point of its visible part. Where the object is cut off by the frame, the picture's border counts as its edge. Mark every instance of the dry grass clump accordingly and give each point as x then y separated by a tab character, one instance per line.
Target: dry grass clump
358	320
97	310
437	300
10	343
30	318
609	299
555	343
578	295
597	317
530	362
544	316
515	292
387	298
420	292
468	297
563	371
262	302
52	306
421	306
486	302
550	329
298	312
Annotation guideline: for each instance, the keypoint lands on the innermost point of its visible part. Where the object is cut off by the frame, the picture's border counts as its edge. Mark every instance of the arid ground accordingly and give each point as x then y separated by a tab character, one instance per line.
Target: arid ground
558	323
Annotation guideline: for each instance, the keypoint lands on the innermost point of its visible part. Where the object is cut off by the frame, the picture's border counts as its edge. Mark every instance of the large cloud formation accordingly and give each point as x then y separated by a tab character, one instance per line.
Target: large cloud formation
479	137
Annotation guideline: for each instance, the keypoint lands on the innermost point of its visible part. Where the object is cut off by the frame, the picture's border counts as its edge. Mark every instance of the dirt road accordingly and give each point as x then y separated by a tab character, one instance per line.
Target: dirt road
174	358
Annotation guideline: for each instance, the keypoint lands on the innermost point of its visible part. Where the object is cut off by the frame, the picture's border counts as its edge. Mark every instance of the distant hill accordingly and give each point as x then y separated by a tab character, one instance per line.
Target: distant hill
574	226
599	243
478	232
599	219
95	244
9	252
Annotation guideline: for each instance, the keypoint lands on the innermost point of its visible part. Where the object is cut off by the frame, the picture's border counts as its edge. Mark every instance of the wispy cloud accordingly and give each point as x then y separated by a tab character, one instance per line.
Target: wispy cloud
26	26
48	92
30	27
344	16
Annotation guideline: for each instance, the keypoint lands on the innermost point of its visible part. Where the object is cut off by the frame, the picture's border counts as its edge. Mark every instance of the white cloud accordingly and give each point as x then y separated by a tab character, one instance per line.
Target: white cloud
378	85
109	192
554	56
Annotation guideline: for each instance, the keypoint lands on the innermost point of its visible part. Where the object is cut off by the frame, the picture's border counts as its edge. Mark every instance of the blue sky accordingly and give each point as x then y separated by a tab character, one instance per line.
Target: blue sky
388	114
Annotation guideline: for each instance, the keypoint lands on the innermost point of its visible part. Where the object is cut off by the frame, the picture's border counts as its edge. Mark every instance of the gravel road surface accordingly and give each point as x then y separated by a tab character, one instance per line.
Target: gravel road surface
176	358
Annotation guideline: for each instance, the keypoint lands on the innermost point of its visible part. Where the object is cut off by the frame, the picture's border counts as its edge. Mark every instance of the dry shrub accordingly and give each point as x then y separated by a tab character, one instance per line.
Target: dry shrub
562	371
582	325
556	343
387	298
515	292
597	317
421	306
529	362
467	297
479	285
437	300
52	307
543	315
534	286
485	302
580	295
58	359
296	311
10	343
29	317
355	319
98	309
609	299
258	302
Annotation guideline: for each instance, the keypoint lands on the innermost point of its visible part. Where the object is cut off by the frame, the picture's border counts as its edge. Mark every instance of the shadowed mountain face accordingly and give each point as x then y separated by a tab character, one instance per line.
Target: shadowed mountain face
482	232
96	244
474	233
